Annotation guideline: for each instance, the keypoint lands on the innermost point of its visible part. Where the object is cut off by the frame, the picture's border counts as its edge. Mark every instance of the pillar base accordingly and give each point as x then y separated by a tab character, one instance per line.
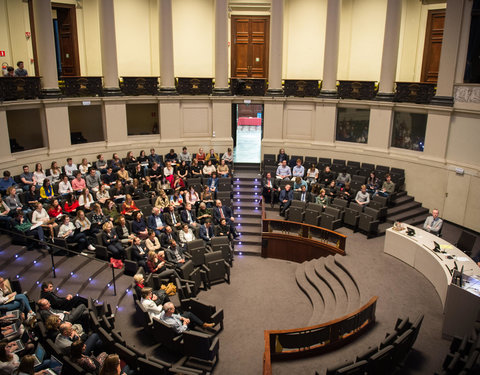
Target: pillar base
50	93
384	96
112	91
446	101
165	91
330	94
274	92
221	91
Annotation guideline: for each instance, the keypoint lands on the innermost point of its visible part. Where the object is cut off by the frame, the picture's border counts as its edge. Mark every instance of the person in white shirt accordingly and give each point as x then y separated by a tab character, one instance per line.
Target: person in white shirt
40	215
153	310
362	197
85	199
39	174
186	234
64	187
228	156
70	167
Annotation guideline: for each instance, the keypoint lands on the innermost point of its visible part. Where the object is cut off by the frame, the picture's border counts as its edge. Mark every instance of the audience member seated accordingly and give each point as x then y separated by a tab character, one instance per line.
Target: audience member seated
156	265
178	183
283	171
195	169
6	182
10	300
116	162
68	335
55	210
52	325
130	159
222	169
98	217
303	195
162	200
22	224
180	323
223	230
152	243
27	178
110	210
346	192
88	363
224	212
362	197
183	171
206	231
129	207
270	189
9	361
40	216
212	183
139	173
282	156
69	168
111	241
149	304
72	235
123	175
155	173
85	226
101	164
285	198
109	178
298	170
212	156
118	192
46	191
78	183
388	187
71	204
372	183
63	303
201	156
185	156
174	254
167	237
85	200
326	176
299	183
112	366
39	174
343	178
191	196
20	71
32	197
13	201
208	168
154	158
203	213
172	218
188	216
207	196
312	174
123	232
156	222
55	172
83	167
75	315
139	253
433	224
93	180
65	187
171	156
4	214
169	173
323	199
186	235
228	156
139	228
332	190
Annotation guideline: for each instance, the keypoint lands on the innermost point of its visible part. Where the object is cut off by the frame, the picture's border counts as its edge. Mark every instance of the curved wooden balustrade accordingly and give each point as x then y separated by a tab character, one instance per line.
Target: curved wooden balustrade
299	342
299	242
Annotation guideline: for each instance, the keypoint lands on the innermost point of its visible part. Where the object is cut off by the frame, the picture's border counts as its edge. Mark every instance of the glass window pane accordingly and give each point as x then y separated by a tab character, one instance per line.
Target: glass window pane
352	125
409	130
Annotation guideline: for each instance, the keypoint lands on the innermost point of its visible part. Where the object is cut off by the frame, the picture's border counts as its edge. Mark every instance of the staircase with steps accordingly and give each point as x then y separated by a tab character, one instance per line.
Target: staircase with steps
247	195
330	288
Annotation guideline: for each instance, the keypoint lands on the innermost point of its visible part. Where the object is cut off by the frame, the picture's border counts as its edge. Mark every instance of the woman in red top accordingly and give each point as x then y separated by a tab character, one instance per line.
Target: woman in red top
201	156
129	207
71	204
55	209
156	264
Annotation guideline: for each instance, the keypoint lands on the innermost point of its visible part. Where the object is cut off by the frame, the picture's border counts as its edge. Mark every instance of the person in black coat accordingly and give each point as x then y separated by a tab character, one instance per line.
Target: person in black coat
168	236
111	241
139	253
270	189
220	212
62	303
188	217
174	254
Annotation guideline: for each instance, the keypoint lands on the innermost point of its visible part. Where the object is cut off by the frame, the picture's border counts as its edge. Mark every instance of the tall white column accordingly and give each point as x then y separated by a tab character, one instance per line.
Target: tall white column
276	49
221	48
448	57
47	64
109	48
330	60
391	39
167	77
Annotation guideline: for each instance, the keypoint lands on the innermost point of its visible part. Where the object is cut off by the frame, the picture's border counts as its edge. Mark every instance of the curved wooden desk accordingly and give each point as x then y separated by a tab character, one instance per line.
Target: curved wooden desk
417	251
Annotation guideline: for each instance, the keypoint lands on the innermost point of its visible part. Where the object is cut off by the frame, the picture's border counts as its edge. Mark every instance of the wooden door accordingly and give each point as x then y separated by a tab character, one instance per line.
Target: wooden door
67	33
250	37
433	45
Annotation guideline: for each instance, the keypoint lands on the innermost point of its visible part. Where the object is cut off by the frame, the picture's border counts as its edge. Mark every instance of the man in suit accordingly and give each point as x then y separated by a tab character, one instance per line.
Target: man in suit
270	189
76	315
220	212
62	303
68	335
156	222
433	224
168	236
172	218
188	217
206	231
139	253
174	254
154	158
302	195
285	198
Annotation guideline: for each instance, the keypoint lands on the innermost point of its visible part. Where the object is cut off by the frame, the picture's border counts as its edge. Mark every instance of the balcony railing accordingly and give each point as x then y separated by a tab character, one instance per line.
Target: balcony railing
414	92
194	86
15	88
301	88
82	86
133	86
248	86
361	90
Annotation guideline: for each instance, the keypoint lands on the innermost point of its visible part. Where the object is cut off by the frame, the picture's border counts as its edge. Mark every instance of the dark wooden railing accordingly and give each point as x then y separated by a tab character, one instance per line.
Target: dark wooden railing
194	86
414	92
82	86
362	90
15	88
301	88
133	86
248	86
298	242
301	342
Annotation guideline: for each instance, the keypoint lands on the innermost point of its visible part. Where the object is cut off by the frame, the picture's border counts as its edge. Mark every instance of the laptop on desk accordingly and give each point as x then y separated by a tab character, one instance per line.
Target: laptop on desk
39	355
55	366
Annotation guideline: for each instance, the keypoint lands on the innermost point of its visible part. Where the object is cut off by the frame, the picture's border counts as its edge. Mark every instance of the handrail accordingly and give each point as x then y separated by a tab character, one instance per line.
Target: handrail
362	319
60	248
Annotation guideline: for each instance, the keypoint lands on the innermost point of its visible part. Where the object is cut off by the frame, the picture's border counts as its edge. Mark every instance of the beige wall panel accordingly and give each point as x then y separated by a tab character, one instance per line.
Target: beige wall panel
299	122
91	37
304	39
196	120
222	119
58	128
193	38
115	123
132	28
379	128
169	120
5	34
408	46
472	208
463	140
4	138
273	121
458	187
154	39
436	136
326	118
